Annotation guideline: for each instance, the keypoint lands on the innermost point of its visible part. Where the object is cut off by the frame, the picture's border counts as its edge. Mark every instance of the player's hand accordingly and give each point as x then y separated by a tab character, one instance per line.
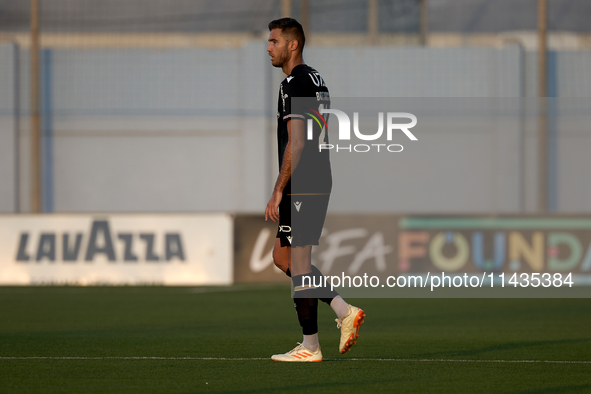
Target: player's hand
272	211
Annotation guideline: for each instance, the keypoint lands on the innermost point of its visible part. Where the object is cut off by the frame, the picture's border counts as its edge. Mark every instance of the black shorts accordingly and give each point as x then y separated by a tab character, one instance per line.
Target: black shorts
301	218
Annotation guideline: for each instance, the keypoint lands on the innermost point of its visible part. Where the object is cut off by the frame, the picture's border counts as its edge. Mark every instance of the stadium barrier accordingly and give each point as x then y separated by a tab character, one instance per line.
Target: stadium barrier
384	245
219	249
116	249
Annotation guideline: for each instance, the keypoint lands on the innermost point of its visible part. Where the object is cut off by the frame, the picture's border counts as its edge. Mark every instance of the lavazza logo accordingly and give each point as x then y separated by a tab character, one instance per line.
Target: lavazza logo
345	131
101	242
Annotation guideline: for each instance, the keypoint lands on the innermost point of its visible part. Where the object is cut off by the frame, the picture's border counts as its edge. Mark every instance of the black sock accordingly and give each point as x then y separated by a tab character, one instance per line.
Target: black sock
312	285
307	310
327	294
288	273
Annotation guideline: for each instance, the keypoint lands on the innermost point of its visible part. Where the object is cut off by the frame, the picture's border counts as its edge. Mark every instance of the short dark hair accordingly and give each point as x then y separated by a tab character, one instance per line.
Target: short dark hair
290	28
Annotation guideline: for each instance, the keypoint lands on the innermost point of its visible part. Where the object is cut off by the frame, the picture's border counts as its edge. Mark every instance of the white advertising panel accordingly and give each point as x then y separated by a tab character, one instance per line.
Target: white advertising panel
134	249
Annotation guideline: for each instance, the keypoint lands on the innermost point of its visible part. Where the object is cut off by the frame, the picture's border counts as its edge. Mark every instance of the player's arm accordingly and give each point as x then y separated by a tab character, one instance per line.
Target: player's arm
291	158
293	152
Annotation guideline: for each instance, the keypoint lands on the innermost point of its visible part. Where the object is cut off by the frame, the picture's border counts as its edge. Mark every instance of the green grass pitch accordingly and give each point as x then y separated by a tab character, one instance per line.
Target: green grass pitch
406	345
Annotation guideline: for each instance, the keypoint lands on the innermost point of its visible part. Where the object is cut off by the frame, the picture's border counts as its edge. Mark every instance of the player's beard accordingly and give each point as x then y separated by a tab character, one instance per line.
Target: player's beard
281	58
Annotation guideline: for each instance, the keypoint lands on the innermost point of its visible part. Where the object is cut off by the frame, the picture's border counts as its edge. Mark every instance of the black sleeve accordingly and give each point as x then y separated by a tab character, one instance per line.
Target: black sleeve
295	88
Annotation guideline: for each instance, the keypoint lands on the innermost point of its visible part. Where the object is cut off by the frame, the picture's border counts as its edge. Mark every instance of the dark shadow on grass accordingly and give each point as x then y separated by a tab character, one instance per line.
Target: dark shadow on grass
501	347
585	388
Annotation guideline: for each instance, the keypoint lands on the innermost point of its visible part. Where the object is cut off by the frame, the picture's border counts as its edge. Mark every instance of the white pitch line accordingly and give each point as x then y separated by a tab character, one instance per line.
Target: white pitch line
268	359
134	358
462	361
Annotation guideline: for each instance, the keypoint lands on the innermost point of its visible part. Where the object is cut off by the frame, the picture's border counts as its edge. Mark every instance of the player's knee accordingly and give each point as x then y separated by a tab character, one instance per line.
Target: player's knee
280	259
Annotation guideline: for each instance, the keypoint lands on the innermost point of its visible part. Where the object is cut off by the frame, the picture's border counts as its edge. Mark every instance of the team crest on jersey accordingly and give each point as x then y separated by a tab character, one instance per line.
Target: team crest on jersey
317	79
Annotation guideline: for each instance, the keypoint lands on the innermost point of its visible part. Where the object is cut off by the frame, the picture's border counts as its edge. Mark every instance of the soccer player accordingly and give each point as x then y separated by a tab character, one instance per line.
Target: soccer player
302	191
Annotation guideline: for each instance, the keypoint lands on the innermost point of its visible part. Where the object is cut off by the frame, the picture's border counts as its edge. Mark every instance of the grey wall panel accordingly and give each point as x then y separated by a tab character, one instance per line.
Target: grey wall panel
194	129
573	74
569	74
418	72
132	82
146	174
255	153
573	135
8	154
212	101
428	177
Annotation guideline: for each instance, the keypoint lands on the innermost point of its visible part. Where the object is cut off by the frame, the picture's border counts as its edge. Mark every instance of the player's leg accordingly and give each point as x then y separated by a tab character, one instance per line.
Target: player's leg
311	220
301	260
306	307
306	302
349	317
328	296
282	260
282	257
298	263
